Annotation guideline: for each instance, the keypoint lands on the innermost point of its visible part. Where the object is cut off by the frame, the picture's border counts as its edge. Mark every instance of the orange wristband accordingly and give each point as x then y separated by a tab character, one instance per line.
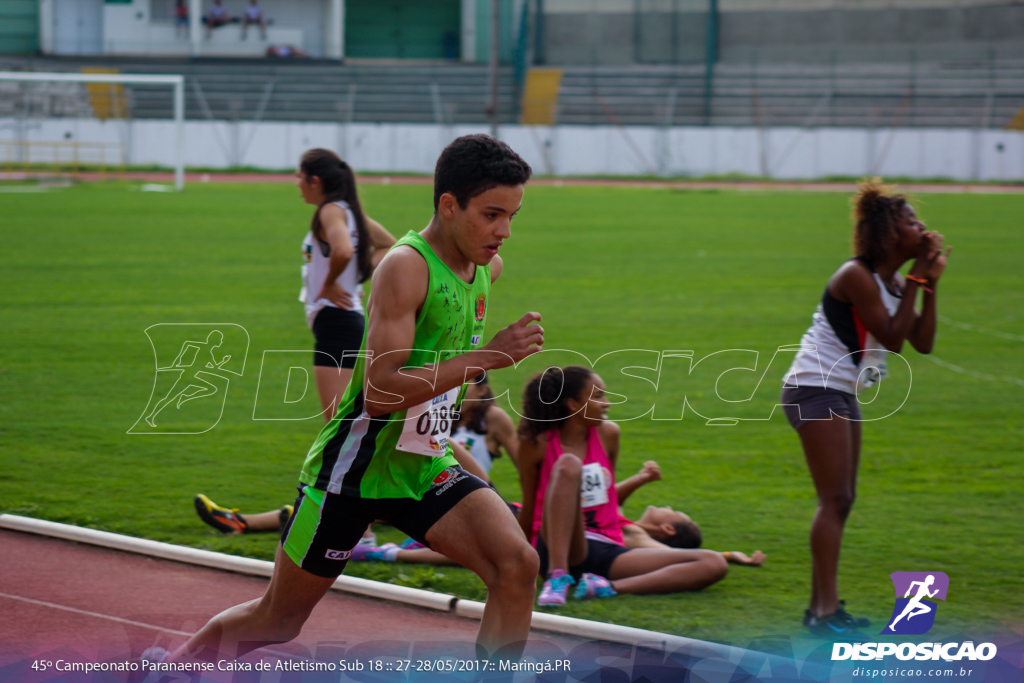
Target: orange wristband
921	281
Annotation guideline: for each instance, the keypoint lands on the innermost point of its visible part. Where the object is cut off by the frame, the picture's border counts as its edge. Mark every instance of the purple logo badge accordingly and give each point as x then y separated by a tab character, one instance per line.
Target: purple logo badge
914	613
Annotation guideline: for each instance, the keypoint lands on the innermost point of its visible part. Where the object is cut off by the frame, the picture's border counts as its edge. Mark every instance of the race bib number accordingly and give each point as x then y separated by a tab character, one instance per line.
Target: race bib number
428	426
593	486
874	369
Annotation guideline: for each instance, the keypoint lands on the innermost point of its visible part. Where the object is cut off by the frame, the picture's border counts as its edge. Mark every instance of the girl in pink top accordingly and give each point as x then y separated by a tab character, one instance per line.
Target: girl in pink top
567	455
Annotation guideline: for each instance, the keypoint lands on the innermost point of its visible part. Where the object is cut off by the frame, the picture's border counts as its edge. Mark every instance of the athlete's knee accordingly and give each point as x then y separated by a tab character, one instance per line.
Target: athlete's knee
568	464
518	566
718	566
838	503
713	567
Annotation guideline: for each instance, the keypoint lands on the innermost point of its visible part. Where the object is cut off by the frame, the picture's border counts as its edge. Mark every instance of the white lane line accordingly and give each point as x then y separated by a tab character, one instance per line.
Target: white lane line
979	329
94	614
286	655
974	373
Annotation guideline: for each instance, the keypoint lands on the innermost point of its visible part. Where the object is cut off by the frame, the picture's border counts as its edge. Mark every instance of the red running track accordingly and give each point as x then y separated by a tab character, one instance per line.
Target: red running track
86	603
752	185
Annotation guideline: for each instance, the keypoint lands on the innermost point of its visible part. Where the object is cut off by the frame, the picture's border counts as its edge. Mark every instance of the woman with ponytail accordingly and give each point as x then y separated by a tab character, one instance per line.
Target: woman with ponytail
341	250
866	312
567	456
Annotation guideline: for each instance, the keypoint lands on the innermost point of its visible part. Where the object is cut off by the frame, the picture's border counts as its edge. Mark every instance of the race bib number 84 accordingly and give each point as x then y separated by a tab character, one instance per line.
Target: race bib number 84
428	426
593	486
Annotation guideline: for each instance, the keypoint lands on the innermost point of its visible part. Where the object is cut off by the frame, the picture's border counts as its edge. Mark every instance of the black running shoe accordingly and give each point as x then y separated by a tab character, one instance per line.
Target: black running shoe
856	622
835	626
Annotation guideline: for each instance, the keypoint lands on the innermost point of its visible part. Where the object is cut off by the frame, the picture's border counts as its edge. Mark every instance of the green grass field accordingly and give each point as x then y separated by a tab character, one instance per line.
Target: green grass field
84	271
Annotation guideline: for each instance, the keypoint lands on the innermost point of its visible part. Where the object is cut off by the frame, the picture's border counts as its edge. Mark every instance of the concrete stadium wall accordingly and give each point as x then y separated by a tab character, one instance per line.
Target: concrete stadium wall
622	35
782	153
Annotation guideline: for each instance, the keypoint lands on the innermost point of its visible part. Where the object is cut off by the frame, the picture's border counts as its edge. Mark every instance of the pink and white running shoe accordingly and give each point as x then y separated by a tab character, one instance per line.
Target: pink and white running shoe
593	586
555	589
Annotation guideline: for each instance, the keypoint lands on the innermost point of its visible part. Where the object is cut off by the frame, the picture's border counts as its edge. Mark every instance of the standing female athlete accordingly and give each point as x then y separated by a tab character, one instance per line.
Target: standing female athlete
567	455
866	312
341	250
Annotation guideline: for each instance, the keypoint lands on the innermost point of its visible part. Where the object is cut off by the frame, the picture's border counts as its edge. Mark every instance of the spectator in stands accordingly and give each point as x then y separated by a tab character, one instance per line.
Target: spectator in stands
216	16
286	52
254	15
181	18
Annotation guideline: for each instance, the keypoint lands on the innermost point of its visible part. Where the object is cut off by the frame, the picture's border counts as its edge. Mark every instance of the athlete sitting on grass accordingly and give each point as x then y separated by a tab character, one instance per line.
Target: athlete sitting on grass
385	454
567	455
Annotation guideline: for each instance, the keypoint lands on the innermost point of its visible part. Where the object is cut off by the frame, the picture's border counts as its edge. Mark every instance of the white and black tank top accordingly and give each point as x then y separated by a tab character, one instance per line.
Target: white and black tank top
316	264
837	351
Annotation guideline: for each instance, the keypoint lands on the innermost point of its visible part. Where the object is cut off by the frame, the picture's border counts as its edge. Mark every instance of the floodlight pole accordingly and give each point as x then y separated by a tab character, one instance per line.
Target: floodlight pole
179	132
711	57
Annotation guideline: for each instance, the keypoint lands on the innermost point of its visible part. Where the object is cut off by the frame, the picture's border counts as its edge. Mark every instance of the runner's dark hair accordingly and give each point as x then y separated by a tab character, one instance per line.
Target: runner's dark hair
474	164
876	216
338	184
687	535
546	396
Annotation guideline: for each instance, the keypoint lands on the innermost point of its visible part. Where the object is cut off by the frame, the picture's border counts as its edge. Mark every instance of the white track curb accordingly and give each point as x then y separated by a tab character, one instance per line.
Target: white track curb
580	628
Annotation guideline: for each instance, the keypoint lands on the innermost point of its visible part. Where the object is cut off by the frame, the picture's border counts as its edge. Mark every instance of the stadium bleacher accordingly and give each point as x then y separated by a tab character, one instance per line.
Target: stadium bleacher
973	94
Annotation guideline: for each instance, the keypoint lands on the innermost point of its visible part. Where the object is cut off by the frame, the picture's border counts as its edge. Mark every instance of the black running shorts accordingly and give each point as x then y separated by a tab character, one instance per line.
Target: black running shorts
325	527
803	404
600	556
339	335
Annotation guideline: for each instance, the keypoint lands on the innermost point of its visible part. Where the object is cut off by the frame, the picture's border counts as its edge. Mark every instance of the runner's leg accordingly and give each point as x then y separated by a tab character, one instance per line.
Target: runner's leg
828	448
481	534
277	617
562	524
666	570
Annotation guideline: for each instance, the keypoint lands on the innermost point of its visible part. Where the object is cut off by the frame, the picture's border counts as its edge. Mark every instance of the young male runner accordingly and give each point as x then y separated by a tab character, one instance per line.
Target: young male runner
385	454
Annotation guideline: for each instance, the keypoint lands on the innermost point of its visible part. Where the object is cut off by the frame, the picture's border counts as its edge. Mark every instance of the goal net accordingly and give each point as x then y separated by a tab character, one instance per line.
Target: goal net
80	125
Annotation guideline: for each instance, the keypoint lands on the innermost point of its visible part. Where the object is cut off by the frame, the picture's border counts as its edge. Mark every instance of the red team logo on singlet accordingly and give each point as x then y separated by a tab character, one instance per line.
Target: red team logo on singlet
444	476
481	306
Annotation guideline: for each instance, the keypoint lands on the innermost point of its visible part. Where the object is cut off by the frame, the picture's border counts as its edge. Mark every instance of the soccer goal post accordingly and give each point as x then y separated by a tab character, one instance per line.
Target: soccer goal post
36	105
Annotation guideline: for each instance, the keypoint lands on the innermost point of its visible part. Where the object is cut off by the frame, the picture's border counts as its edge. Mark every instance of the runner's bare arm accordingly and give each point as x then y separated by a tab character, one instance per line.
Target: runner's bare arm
854	284
335	232
648	473
531	454
922	336
380	238
503	430
398	295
